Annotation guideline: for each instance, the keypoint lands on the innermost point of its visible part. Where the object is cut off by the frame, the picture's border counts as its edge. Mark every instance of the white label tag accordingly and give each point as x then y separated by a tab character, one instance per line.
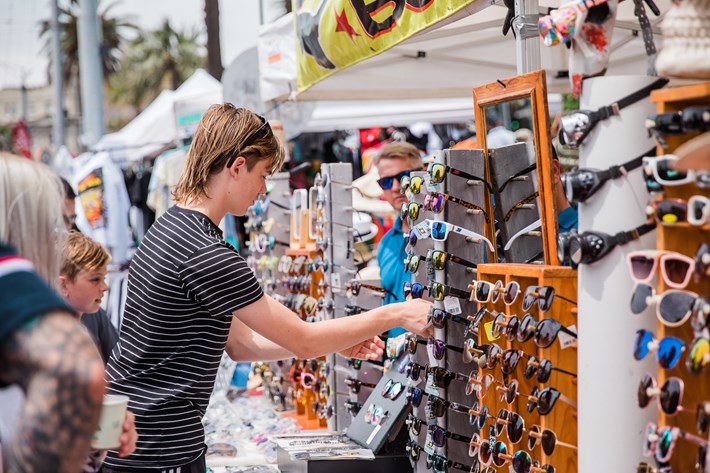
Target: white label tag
430	388
567	340
429	446
373	434
452	305
335	280
422	230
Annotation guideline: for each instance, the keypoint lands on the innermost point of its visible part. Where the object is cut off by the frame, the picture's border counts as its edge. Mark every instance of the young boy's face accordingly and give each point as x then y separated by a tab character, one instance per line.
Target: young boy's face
251	185
86	291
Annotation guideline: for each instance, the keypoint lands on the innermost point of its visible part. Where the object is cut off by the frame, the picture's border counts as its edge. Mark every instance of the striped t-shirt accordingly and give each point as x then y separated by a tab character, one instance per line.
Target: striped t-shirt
184	283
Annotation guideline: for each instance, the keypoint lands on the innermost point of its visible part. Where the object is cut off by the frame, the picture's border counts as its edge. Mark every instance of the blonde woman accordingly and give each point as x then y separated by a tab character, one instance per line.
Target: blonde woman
43	348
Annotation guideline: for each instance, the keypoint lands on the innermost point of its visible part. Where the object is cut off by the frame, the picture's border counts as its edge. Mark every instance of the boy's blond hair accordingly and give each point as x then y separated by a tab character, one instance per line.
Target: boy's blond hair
220	137
81	253
400	150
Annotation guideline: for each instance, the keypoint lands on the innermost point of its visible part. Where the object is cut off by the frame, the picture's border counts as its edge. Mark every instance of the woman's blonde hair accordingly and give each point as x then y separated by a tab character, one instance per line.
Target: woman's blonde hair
224	133
81	253
31	198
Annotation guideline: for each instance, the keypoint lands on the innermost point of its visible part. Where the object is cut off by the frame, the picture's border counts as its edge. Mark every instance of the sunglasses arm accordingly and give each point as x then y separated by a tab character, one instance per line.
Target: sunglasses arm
693	438
566	445
569	373
568	401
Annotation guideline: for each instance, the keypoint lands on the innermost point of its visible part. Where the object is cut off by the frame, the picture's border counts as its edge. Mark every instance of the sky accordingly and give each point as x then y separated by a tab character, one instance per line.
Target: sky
21	55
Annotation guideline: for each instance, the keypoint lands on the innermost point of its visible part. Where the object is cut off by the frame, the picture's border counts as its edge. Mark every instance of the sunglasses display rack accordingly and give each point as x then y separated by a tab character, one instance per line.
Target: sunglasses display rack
685	239
607	223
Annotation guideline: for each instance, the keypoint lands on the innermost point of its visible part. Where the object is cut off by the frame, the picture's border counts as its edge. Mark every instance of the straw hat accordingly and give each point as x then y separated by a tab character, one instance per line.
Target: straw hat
694	154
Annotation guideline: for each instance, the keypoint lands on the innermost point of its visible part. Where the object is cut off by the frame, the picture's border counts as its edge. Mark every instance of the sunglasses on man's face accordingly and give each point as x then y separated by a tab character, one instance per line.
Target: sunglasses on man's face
387	182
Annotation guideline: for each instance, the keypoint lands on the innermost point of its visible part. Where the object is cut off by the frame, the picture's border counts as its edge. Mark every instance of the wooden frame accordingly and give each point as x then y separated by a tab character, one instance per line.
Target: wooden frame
531	86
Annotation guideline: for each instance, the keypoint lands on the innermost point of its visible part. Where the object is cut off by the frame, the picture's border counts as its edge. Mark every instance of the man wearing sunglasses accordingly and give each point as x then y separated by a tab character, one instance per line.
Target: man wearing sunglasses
394	161
191	297
566	214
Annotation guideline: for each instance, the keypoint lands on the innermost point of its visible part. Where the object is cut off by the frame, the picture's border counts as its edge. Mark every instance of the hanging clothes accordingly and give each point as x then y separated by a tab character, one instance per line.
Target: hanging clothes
102	207
166	173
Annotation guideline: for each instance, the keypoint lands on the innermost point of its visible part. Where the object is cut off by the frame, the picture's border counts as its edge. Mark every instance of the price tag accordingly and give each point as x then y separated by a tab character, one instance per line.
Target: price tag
430	388
567	340
429	446
488	326
421	230
452	305
335	280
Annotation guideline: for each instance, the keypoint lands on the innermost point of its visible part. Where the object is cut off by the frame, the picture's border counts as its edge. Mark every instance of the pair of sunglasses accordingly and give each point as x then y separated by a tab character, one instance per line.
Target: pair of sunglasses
659	442
542	369
438	317
439	230
698	357
543	295
591	246
436	407
513	423
675	268
661	171
485	291
547	438
544	400
673	308
668	350
669	396
375	415
438	347
437	172
544	333
695	210
387	182
436	290
438	435
435	202
356	384
392	389
353	289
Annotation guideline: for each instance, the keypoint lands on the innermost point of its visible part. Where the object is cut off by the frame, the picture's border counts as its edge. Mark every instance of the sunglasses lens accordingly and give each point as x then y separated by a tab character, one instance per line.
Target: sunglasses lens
546	332
703	417
413	211
412	239
528	300
532	439
510	361
417	290
515	427
438	291
404	210
639	298
526	330
544	371
483	291
511	331
438	349
438	435
546	400
671	211
675	307
642	396
667	172
498	449
544	301
670	395
435	407
548	442
664	445
404	184
438	318
641	267
530	368
436	204
669	351
438	260
643	338
438	231
415	185
522	462
511	292
676	270
485	452
437	172
698	355
512	392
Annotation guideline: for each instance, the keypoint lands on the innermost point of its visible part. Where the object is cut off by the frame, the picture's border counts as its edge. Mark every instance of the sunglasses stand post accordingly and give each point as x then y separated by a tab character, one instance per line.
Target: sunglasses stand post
516	201
605	285
684	239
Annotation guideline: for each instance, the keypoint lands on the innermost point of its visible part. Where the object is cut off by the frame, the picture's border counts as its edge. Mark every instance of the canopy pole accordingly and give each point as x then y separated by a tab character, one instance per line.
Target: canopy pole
527	39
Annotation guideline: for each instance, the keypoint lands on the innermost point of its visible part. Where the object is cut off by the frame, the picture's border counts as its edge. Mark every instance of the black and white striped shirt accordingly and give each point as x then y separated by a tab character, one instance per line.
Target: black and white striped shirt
184	283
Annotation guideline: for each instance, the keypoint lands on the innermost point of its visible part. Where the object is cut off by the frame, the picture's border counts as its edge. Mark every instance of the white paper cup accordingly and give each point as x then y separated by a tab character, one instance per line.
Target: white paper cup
113	413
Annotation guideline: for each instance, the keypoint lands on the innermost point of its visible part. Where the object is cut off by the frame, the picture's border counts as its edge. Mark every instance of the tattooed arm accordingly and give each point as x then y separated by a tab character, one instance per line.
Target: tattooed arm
57	365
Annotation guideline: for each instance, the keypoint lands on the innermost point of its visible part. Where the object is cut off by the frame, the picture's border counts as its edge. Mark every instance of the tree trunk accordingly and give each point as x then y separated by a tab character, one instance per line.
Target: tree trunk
214	51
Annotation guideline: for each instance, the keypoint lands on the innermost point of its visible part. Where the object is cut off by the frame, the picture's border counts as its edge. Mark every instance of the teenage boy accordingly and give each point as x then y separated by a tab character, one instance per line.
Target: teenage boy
191	296
82	282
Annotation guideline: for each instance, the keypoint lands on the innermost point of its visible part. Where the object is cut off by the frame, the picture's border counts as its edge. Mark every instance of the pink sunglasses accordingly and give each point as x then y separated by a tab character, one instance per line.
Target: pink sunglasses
676	269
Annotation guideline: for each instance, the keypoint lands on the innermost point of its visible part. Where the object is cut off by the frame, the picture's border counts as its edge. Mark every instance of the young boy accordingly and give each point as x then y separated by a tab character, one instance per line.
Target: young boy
82	283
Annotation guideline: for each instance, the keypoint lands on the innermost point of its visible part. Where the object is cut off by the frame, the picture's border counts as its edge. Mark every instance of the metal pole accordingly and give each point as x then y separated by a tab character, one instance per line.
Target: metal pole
57	80
261	12
527	41
91	74
23	99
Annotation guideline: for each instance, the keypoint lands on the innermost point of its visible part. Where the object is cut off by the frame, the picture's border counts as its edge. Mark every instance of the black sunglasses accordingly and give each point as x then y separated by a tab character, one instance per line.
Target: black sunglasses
387	182
262	131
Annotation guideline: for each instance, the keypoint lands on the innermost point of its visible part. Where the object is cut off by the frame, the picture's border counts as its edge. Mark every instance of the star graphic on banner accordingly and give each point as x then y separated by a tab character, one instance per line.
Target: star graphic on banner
343	25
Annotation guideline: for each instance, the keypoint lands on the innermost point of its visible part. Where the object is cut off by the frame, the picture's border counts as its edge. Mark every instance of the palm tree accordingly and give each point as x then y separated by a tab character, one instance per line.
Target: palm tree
113	31
154	61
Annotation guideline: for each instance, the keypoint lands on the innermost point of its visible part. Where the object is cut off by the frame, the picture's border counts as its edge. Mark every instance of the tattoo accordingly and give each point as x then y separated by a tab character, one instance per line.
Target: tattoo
58	366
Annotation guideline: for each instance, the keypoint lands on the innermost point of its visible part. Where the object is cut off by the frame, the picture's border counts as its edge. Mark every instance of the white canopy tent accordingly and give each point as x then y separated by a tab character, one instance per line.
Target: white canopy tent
156	125
446	60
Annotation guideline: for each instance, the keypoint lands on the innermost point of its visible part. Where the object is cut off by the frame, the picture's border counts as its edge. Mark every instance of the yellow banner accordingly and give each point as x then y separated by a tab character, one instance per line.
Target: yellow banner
335	34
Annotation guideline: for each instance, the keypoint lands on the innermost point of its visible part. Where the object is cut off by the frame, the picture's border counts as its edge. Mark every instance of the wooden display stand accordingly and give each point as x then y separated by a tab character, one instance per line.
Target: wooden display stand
685	239
563	418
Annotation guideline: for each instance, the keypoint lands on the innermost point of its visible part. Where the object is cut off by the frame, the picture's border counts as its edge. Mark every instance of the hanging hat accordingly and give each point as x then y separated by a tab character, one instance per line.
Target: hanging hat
686	43
694	154
364	228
